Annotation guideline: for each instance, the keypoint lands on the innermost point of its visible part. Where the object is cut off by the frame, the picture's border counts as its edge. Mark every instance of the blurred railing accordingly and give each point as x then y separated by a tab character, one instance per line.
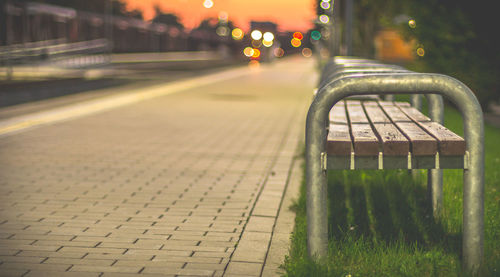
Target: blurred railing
49	50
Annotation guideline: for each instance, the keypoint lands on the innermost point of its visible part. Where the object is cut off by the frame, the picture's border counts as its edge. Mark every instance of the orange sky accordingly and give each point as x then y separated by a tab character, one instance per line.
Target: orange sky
290	15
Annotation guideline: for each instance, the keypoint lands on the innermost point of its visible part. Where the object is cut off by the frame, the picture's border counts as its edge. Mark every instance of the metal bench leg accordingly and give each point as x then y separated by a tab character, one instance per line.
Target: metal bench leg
317	209
435	176
416	101
435	191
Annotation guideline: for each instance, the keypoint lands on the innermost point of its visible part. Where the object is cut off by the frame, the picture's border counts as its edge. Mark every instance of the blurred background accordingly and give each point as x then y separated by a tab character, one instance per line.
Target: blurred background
50	48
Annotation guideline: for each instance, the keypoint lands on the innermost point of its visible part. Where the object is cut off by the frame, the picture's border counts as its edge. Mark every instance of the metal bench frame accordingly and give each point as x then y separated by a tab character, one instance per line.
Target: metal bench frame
367	83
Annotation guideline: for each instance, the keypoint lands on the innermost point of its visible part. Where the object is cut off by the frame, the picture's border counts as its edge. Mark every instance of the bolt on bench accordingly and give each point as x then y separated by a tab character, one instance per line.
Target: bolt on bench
345	133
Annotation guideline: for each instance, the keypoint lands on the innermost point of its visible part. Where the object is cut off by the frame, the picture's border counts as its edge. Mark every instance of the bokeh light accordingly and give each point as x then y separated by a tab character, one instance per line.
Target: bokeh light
324	18
307	52
268	36
256	34
298	35
279	52
325	5
412	23
222	31
267	43
296	42
237	34
248	51
421	51
256	53
315	35
208	4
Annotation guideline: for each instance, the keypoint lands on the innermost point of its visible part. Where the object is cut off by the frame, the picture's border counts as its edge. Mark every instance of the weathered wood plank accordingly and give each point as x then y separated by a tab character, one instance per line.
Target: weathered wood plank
375	113
394	113
414	114
338	113
356	112
394	143
421	143
365	142
449	143
339	140
402	104
370	103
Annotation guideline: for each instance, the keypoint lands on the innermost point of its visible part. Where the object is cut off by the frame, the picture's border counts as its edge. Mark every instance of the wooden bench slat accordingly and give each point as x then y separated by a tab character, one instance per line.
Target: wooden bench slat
370	103
375	113
339	140
338	113
402	104
396	114
394	143
365	142
449	143
414	114
422	144
356	113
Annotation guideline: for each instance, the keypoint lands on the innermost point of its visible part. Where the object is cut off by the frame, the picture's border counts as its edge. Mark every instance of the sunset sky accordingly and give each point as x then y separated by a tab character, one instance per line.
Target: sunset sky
290	15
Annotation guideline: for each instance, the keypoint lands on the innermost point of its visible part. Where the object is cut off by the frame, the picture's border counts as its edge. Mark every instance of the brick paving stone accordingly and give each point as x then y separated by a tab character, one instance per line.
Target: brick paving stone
66	243
242	268
114	274
20	259
260	224
251	251
29	253
205	266
68	249
13	272
85	261
212	254
183	176
204	260
40	273
93	268
34	266
178	272
154	263
113	257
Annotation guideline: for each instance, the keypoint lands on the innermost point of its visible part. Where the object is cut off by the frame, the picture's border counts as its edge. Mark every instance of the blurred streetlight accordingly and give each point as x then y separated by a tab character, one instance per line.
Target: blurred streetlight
268	36
208	4
256	34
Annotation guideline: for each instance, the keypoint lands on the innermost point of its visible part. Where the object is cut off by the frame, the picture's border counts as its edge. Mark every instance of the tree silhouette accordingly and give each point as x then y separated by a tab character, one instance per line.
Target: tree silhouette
169	19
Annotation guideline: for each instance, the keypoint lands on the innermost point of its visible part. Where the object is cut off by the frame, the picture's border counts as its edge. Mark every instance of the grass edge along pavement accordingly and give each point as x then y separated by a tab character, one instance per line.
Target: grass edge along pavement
380	223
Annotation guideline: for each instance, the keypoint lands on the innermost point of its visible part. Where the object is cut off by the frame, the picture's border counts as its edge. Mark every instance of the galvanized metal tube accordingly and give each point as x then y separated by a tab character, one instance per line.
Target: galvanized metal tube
344	71
435	176
331	68
407	83
416	101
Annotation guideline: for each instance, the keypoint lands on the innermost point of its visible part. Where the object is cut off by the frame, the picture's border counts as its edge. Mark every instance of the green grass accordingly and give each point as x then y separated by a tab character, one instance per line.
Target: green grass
380	223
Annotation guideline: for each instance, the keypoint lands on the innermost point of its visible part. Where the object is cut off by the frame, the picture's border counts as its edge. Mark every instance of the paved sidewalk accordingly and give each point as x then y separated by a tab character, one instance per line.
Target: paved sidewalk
186	184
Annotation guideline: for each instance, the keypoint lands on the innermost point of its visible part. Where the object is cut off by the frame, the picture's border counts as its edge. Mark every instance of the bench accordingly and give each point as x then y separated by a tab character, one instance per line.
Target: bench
389	135
343	132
